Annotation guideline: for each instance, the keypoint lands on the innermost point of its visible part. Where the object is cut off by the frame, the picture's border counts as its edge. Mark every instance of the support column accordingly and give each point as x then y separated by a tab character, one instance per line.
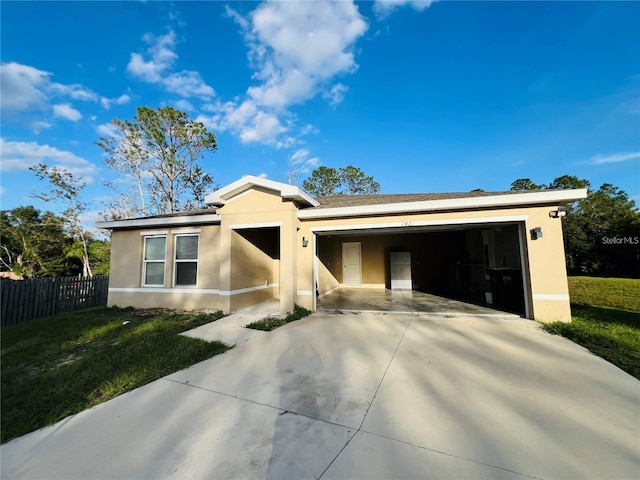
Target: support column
225	267
288	263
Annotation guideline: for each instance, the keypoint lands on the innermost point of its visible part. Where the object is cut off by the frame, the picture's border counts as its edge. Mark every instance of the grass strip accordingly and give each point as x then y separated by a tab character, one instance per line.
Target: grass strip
58	366
609	333
271	323
619	293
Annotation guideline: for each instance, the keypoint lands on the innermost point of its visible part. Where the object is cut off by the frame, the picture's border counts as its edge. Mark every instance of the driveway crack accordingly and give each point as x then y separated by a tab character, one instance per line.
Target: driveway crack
413	314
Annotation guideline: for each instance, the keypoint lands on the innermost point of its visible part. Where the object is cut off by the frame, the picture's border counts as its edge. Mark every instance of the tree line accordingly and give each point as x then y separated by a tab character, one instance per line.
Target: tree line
601	232
37	244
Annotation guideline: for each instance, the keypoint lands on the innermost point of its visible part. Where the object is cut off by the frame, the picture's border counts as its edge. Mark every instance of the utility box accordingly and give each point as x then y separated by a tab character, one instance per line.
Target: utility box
400	263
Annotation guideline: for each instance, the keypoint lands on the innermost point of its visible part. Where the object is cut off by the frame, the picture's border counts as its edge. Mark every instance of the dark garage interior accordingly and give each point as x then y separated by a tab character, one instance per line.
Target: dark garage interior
479	264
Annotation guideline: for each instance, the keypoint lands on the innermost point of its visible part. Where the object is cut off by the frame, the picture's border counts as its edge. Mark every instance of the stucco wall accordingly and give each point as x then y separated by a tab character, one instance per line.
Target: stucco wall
252	263
125	282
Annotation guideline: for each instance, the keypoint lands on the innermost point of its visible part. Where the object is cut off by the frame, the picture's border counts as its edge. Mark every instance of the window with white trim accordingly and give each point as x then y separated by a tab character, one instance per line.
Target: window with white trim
154	260
186	260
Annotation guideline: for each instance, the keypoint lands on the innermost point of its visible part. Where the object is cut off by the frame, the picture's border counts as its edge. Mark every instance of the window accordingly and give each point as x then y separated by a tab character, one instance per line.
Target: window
186	264
154	260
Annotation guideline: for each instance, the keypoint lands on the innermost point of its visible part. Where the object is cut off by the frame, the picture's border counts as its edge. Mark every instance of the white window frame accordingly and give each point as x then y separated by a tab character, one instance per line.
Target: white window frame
185	260
145	261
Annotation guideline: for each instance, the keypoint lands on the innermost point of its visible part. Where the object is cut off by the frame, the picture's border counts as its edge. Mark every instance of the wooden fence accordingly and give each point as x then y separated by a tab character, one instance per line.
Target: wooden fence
23	300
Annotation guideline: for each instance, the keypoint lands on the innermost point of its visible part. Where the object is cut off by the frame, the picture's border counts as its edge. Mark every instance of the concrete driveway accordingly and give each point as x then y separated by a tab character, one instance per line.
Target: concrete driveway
361	396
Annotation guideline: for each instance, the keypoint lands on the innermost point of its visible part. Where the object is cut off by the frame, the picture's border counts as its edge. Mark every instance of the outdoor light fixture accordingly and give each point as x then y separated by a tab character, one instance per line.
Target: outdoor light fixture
536	233
559	213
305	242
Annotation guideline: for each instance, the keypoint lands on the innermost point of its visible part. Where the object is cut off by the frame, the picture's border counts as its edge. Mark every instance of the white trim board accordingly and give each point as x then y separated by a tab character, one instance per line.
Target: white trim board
198	291
240	226
421	223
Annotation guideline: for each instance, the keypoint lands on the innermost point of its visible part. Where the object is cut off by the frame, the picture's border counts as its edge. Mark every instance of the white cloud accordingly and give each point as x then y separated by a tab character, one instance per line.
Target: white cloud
383	8
37	126
65	110
77	92
301	159
184	105
26	88
108	130
296	49
17	156
336	94
614	158
107	102
263	175
22	87
161	58
299	163
263	127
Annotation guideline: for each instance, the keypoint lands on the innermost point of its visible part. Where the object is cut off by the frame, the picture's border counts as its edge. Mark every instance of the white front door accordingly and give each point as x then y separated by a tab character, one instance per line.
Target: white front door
351	273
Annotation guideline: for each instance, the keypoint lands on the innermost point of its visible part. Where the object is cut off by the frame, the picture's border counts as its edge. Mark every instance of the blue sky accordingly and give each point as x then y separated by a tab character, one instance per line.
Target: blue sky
447	96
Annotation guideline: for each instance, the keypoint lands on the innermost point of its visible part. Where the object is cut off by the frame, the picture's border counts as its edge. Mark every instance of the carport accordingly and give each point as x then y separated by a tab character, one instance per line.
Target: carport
477	267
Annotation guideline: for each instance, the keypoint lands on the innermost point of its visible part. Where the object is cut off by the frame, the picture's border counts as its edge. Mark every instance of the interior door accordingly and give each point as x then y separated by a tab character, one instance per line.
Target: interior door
351	264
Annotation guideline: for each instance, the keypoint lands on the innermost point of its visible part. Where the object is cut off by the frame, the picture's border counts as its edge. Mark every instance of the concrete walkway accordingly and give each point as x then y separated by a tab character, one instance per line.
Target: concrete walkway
361	396
231	329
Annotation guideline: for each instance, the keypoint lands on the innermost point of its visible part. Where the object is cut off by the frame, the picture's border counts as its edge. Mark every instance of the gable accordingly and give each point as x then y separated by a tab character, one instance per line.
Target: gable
256	200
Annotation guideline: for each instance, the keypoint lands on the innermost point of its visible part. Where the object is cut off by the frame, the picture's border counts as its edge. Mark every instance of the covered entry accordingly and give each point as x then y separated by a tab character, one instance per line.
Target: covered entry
480	264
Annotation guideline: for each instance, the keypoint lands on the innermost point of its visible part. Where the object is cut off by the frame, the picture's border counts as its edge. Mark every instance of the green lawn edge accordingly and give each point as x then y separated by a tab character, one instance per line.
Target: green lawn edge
271	323
58	366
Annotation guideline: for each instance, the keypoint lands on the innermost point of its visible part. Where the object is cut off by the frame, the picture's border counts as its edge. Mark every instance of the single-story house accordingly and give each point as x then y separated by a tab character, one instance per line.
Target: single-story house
263	239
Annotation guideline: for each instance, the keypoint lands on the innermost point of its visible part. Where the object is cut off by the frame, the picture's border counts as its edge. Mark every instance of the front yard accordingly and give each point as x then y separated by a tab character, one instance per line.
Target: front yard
57	366
605	316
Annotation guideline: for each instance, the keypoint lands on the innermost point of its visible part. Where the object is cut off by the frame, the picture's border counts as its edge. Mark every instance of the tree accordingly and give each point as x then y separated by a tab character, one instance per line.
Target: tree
158	155
350	180
605	217
525	184
355	182
33	244
66	189
566	182
591	223
324	181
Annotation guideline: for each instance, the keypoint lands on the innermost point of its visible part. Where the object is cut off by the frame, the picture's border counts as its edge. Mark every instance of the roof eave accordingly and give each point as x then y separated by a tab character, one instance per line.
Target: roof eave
159	222
465	203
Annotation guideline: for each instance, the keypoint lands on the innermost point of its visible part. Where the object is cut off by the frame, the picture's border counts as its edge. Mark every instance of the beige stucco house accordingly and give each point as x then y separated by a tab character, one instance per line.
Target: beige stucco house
264	239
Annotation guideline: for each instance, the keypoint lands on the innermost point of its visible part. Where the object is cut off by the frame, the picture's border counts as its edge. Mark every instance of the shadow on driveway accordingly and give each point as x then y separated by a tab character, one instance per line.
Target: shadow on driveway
361	396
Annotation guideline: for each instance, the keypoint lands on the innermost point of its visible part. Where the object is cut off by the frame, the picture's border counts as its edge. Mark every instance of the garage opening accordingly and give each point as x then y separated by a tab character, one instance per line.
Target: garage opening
479	264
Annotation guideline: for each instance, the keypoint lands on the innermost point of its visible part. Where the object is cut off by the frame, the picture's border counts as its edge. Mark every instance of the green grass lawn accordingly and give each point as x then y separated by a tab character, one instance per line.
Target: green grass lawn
57	366
620	293
611	333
